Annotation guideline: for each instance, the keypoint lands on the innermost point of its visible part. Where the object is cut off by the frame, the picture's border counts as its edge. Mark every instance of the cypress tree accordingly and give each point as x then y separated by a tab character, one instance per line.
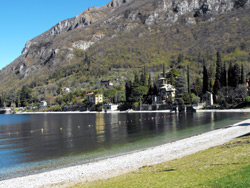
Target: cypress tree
128	90
230	75
243	76
224	76
236	75
181	86
164	70
205	80
149	80
217	83
188	79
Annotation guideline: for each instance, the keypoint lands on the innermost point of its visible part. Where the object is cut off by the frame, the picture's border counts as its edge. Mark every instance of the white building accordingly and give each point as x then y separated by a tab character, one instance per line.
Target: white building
43	104
208	98
111	107
166	91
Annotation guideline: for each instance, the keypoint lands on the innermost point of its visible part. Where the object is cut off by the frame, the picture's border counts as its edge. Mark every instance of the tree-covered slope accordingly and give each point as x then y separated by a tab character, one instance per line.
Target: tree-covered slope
123	36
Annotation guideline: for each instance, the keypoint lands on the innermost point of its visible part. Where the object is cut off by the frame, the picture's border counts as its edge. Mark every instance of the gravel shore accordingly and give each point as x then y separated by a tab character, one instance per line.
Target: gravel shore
126	163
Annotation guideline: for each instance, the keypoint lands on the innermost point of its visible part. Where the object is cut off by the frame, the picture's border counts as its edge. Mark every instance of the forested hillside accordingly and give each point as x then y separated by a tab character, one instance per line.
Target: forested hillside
117	41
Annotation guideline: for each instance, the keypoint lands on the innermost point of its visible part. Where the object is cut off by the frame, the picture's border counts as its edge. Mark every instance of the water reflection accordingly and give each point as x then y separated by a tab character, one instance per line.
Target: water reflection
99	125
94	135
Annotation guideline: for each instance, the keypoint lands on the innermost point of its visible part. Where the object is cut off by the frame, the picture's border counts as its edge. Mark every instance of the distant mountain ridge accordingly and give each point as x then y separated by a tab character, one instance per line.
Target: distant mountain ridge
97	29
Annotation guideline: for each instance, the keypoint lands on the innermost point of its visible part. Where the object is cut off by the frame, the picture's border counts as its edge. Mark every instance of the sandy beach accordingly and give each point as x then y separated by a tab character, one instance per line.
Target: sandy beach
129	162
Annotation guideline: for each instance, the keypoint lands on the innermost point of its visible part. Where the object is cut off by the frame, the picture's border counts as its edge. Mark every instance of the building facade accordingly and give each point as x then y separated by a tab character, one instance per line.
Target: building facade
95	98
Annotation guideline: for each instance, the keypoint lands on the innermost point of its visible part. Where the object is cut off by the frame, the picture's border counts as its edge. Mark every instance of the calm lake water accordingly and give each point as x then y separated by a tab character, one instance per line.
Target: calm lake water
37	143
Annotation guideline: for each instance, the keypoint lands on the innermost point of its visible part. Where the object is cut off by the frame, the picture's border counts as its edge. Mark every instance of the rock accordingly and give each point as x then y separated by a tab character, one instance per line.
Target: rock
82	45
116	3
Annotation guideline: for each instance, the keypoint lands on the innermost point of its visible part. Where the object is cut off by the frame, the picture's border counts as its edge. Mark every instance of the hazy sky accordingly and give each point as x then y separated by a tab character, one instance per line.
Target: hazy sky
22	20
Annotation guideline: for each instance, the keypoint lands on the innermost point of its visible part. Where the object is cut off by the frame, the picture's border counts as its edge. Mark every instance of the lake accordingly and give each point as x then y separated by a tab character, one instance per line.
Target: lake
36	143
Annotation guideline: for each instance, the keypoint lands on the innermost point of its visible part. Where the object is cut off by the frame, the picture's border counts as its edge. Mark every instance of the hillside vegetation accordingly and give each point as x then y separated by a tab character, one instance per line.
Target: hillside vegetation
116	41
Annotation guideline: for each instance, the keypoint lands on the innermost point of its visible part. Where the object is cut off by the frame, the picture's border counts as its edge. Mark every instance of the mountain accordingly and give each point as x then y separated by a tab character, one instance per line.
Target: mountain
125	35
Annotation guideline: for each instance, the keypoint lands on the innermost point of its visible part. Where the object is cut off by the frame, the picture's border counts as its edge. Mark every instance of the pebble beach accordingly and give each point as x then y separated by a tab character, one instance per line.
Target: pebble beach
115	166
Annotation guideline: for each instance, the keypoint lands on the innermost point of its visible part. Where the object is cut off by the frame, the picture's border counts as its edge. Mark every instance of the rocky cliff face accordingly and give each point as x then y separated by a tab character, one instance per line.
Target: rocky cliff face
104	23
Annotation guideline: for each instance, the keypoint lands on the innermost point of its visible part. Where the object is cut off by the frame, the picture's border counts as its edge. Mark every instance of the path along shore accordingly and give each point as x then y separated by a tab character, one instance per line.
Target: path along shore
129	162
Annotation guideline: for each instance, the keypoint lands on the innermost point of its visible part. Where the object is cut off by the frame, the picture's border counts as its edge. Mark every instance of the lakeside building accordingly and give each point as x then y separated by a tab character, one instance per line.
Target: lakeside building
111	107
43	104
208	99
95	98
166	92
6	110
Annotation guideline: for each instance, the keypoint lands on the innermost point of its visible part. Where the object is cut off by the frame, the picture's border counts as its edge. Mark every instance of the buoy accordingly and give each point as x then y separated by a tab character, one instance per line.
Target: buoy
245	113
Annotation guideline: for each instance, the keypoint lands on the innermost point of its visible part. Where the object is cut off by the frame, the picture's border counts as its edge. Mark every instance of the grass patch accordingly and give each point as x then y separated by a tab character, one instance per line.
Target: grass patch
240	178
227	165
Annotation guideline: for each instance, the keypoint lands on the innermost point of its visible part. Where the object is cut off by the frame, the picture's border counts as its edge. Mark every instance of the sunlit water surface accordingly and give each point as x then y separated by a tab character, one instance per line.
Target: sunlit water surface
35	143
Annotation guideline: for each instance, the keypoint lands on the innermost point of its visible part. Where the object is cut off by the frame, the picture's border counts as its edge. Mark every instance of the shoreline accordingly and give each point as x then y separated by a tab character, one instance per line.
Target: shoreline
122	112
115	166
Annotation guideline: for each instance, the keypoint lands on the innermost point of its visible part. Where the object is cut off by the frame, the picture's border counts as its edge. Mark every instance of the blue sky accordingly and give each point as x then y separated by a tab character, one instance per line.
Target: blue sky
22	20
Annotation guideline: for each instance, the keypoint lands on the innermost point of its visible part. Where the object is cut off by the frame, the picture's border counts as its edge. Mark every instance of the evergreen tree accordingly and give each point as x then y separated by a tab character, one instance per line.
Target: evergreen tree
18	102
224	76
188	79
230	75
205	80
172	76
180	59
243	76
3	99
236	75
25	95
181	86
164	70
149	80
218	75
137	81
128	90
144	76
155	90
